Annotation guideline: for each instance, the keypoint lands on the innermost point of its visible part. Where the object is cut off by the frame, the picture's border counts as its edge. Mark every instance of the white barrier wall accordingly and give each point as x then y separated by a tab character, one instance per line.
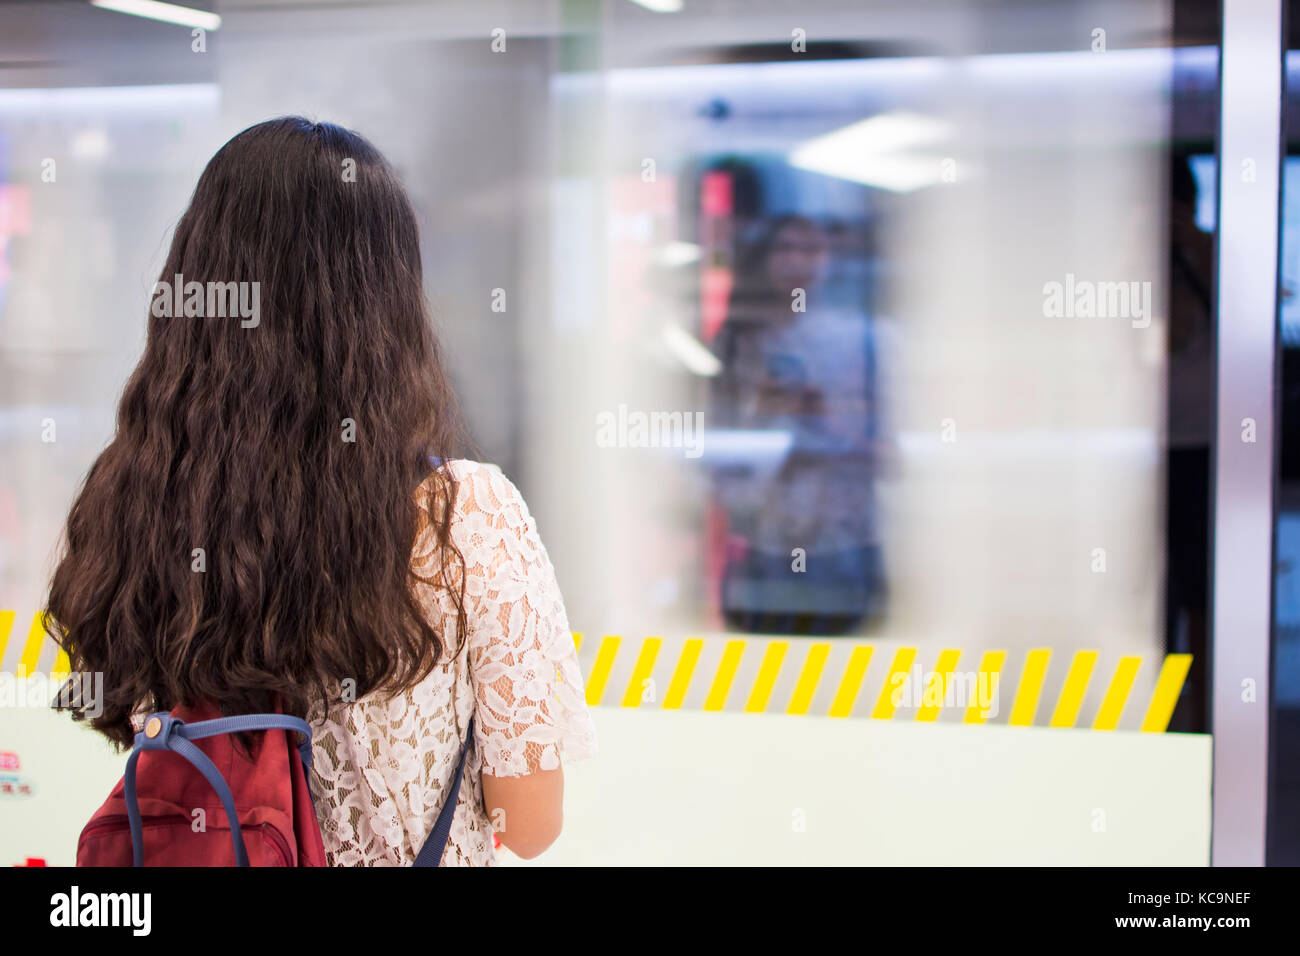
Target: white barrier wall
71	770
695	788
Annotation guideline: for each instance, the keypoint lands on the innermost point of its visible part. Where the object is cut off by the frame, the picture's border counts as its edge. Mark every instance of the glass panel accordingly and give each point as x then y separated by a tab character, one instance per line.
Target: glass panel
953	366
1284	724
903	307
855	325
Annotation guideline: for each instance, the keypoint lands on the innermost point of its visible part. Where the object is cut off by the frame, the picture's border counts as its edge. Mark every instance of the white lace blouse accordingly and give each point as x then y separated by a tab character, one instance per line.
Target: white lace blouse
381	767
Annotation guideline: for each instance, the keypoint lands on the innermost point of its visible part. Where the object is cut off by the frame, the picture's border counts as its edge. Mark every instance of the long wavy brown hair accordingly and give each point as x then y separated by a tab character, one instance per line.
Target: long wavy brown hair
288	447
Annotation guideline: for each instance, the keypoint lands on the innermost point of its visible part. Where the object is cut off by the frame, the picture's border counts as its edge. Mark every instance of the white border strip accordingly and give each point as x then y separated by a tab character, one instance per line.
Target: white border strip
1250	149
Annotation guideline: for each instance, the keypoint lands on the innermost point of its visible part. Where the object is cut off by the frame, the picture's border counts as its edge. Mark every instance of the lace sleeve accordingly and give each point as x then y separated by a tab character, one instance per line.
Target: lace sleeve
530	702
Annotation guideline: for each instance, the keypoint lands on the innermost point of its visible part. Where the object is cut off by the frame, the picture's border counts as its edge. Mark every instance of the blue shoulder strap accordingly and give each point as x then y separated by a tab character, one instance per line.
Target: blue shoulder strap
168	733
431	853
176	736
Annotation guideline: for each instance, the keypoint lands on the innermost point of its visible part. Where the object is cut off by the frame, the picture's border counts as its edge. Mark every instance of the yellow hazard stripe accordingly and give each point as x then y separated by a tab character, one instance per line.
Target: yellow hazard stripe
1076	685
731	653
929	711
986	686
645	665
811	674
6	625
1112	705
814	672
32	648
36	637
767	674
893	682
62	666
1168	686
600	670
1031	685
682	675
847	692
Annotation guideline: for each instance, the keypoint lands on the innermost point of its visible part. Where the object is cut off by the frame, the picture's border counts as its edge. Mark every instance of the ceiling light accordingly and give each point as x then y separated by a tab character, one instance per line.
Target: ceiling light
876	152
167	12
660	6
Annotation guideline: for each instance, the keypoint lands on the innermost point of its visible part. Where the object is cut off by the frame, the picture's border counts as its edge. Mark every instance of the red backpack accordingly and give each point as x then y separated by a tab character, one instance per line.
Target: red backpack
206	803
256	810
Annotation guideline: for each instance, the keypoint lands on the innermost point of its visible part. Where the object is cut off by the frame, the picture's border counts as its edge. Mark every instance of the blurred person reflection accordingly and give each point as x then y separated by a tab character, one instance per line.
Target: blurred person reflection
805	553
